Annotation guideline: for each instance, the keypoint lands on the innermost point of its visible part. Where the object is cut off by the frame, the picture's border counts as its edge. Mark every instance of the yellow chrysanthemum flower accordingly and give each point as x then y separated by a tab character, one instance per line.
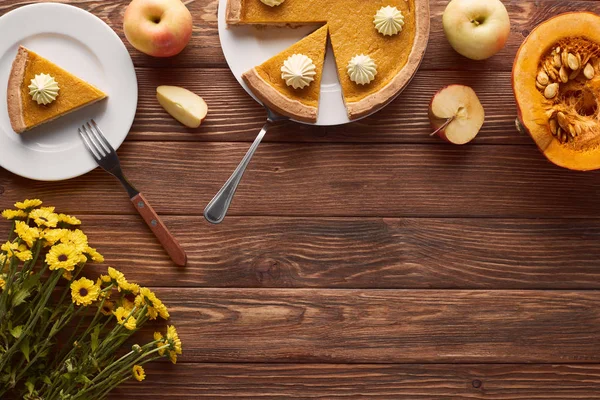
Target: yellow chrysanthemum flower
14	214
115	275
44	217
130	324
120	314
28	204
2	262
127	304
107	307
84	291
138	373
67	219
174	343
77	238
159	336
17	250
95	256
163	311
128	287
2	281
52	236
68	275
28	234
105	278
64	256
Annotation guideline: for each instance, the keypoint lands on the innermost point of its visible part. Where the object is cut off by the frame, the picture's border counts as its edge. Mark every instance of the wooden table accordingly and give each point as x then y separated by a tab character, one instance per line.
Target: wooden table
364	261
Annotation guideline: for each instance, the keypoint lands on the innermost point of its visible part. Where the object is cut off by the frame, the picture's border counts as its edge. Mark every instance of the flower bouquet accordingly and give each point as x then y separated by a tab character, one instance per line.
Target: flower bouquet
63	335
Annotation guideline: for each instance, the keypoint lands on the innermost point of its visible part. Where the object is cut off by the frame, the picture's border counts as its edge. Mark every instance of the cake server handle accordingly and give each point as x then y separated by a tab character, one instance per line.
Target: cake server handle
217	208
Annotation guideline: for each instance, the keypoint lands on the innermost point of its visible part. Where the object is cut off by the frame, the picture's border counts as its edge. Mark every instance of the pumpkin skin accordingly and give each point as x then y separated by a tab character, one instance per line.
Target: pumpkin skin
580	152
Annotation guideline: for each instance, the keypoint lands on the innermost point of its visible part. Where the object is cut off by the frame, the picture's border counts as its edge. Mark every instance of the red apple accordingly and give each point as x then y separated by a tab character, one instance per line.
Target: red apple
456	114
160	28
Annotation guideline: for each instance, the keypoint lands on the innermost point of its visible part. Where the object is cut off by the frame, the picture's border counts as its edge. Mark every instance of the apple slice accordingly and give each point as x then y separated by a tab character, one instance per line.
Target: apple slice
456	114
183	105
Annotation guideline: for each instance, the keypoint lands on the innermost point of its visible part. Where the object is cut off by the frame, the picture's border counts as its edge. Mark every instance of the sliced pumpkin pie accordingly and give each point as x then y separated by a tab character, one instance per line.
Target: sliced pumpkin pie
290	82
39	91
378	44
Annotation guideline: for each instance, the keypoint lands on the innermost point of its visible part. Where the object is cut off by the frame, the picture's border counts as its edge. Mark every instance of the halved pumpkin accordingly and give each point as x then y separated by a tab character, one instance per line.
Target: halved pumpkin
556	81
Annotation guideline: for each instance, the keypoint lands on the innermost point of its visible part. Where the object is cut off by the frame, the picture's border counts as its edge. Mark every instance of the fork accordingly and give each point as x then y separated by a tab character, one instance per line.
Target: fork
216	209
106	157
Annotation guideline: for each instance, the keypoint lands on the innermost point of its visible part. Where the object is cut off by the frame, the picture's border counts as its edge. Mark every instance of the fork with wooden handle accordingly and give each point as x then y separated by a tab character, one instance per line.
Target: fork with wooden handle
107	159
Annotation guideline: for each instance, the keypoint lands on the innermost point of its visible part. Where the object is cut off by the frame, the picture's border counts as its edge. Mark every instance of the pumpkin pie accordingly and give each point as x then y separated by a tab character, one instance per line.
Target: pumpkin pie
26	113
266	82
352	32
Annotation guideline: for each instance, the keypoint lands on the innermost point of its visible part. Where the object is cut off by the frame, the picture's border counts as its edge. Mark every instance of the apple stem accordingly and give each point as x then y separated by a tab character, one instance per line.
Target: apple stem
448	121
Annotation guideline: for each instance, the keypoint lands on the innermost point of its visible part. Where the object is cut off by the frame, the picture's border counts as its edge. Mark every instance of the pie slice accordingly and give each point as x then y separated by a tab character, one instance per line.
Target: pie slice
267	84
352	33
24	112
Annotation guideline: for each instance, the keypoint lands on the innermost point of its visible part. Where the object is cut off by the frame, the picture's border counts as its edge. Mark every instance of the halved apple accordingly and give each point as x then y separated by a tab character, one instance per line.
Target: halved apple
456	114
183	105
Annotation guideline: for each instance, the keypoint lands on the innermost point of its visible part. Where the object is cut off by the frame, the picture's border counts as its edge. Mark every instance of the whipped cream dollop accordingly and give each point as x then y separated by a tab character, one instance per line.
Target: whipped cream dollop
272	3
389	21
362	69
43	89
298	71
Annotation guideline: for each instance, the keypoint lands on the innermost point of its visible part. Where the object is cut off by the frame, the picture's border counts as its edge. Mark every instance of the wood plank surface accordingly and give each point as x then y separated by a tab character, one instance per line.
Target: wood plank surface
356	252
385	326
235	116
204	48
312	381
331	180
361	261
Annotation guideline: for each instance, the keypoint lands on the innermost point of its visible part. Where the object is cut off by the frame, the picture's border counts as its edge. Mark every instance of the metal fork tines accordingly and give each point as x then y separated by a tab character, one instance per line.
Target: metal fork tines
106	157
104	154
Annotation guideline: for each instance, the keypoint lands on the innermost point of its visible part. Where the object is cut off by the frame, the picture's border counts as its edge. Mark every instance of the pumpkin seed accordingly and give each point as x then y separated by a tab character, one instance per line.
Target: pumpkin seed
572	131
562	120
578	129
553	126
588	71
557	61
564	57
559	133
574	74
540	86
557	50
551	91
573	62
564	137
564	76
543	78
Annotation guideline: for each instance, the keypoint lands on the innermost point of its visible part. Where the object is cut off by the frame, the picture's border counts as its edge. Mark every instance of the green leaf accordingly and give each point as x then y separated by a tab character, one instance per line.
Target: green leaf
94	336
19	297
25	348
17	331
30	386
46	380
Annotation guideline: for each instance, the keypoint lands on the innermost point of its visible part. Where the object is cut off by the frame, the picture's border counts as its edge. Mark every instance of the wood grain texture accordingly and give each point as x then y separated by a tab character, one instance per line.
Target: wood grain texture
385	326
330	180
235	116
318	381
356	252
204	48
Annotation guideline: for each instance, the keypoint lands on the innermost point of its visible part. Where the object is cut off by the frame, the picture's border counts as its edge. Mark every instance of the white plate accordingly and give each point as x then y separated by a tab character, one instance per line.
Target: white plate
84	45
246	47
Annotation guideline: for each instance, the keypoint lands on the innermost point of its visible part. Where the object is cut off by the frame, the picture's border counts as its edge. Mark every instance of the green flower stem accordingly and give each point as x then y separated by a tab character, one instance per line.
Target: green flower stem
36	315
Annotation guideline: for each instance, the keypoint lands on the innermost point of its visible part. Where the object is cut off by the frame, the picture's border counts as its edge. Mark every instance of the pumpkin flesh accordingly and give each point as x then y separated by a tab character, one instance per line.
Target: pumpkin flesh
556	81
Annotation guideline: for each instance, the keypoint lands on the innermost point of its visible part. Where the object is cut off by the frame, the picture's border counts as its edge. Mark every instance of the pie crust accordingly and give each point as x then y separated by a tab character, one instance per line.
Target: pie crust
371	102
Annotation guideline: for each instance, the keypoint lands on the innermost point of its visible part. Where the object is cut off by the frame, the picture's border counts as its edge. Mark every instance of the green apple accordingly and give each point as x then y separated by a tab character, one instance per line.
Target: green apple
183	105
477	29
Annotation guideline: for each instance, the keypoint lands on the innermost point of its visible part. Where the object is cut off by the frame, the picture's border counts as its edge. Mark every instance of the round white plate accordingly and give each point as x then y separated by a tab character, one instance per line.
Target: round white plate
84	45
246	47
